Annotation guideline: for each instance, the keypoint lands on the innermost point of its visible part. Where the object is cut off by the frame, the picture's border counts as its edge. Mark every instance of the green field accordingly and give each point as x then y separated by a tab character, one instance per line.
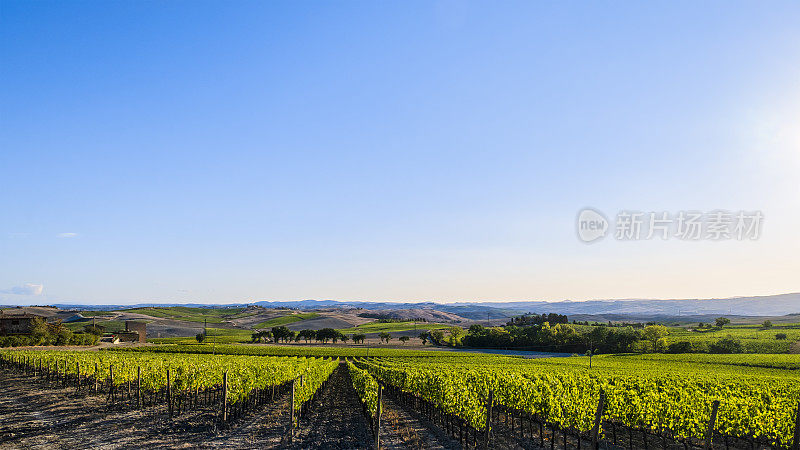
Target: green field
111	326
755	339
189	314
393	327
215	336
285	320
290	350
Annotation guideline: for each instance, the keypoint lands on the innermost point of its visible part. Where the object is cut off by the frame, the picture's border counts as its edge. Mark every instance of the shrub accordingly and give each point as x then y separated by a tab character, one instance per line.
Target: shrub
781	336
680	347
726	345
722	321
64	337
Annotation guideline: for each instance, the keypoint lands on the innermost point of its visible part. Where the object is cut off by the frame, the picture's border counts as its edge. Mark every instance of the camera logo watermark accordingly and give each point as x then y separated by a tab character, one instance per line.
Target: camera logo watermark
592	225
716	225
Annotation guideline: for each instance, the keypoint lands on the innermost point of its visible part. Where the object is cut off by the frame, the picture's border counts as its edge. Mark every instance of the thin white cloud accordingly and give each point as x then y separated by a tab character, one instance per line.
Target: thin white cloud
25	289
67	235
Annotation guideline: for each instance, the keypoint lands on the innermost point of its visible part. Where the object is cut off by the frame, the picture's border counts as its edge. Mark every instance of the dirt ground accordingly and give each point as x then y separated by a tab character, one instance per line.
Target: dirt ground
35	414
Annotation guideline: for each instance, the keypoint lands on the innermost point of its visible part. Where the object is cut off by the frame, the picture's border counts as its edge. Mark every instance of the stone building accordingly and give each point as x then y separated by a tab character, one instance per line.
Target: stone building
17	323
135	331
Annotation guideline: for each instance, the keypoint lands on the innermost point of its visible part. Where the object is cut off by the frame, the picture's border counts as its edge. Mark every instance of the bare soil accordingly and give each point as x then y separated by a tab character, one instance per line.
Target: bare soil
401	428
35	414
336	421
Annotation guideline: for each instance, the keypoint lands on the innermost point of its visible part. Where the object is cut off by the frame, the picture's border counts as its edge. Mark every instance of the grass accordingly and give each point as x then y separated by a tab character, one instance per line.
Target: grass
215	336
754	338
111	326
285	320
394	327
188	314
293	350
768	361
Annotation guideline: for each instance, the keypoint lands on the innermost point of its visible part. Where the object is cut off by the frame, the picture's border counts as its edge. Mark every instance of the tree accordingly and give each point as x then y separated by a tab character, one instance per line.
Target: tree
424	338
767	324
281	333
404	339
477	329
91	329
654	334
359	338
343	337
338	335
722	321
40	332
202	337
385	336
64	337
262	335
680	347
456	333
436	336
727	345
327	334
306	335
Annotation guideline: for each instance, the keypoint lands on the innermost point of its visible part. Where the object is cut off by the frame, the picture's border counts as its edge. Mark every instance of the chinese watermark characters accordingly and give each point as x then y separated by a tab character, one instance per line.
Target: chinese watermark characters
715	225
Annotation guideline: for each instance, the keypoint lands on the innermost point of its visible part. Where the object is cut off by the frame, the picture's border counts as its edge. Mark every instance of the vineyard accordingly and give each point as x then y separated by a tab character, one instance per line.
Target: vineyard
664	396
285	350
234	383
620	401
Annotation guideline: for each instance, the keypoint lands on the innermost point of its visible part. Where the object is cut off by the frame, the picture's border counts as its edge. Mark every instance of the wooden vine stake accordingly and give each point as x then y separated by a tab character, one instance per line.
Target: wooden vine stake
796	444
169	394
111	381
487	439
225	397
378	418
139	386
711	422
291	413
598	419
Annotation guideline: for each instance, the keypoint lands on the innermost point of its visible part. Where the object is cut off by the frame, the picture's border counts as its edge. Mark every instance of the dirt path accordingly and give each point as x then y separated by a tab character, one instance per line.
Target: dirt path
336	422
401	428
263	430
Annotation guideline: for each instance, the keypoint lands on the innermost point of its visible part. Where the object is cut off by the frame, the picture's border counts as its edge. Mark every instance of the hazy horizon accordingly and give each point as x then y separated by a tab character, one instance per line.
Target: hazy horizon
253	301
202	152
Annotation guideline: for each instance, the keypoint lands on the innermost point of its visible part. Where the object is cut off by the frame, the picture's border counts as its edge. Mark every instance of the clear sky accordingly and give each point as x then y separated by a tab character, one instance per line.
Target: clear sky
230	151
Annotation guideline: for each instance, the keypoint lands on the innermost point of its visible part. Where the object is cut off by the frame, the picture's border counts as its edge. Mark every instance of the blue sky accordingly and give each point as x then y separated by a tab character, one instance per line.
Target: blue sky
235	151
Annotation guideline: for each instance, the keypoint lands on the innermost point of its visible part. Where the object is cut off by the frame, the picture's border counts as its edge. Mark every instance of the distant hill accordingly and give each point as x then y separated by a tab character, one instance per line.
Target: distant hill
772	305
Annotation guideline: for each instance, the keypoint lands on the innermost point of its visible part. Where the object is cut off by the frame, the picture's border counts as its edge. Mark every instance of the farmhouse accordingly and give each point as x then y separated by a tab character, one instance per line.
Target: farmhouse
17	323
135	331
